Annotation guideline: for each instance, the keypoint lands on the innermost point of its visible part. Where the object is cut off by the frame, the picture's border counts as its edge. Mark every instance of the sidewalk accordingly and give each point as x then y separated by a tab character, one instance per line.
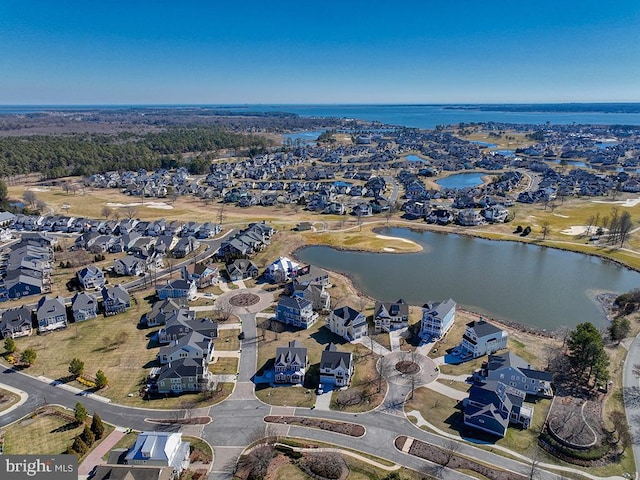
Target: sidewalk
371	344
95	456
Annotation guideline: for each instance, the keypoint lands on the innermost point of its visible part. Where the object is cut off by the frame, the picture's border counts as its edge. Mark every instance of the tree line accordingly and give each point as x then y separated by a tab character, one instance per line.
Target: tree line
85	154
613	229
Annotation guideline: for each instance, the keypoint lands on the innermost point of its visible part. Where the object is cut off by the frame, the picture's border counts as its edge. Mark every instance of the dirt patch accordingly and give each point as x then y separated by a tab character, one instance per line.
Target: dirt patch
575	422
180	421
345	428
407	367
244	300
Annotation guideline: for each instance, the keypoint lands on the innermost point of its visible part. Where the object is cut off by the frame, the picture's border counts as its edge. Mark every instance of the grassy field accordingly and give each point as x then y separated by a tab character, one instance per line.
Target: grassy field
224	366
43	434
364	383
228	340
288	396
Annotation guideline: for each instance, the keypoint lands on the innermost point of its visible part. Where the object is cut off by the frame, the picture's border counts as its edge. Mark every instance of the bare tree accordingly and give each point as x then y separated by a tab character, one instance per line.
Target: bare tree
636	370
625	226
30	198
534	465
450	449
385	368
545	229
107	211
130	211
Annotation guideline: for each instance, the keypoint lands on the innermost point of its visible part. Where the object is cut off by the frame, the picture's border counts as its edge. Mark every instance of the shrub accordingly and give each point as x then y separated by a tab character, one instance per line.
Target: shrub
87	436
327	465
97	427
101	380
79	445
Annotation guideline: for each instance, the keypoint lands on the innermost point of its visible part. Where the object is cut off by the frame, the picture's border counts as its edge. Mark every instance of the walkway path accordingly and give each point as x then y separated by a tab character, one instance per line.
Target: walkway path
95	456
447	391
372	345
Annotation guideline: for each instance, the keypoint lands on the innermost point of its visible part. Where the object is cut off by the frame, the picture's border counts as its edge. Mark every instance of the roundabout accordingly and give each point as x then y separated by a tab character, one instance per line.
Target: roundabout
408	369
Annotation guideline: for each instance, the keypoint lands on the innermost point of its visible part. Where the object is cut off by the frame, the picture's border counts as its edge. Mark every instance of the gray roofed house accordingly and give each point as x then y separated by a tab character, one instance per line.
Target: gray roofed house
241	269
437	319
492	406
184	375
336	368
389	316
191	345
514	371
91	278
84	306
177	288
115	300
311	275
481	338
296	311
51	314
16	322
184	321
291	363
347	322
22	285
128	265
161	310
316	294
160	449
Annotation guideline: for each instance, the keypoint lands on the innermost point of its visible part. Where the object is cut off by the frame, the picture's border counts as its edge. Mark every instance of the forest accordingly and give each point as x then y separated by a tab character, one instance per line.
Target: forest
85	154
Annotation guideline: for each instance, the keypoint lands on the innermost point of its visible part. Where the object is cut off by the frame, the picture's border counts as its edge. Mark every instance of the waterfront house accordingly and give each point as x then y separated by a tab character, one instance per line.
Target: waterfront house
514	371
389	316
84	306
336	368
482	338
51	314
316	294
437	319
347	322
291	363
281	270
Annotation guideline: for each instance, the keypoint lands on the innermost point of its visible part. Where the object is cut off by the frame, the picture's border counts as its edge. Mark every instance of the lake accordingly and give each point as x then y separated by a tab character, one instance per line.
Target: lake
531	285
462	180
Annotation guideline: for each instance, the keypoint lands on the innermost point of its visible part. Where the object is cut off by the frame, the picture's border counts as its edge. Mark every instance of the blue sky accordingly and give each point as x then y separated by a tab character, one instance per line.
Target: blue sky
214	52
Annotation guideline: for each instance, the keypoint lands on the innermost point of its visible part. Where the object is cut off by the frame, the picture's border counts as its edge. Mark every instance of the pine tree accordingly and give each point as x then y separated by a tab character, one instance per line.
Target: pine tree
80	413
97	427
87	436
101	380
76	367
10	345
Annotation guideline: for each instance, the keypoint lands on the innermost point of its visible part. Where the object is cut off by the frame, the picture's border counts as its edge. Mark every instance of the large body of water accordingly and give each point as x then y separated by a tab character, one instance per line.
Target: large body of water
523	283
417	116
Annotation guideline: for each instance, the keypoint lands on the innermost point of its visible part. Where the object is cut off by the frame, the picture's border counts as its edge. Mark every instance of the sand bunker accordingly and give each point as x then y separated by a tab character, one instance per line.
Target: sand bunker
631	202
161	205
561	216
582	230
394	238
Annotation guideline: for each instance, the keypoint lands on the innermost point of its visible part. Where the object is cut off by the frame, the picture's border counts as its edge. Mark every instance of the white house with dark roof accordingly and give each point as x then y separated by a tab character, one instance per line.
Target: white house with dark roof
291	363
389	316
84	306
281	270
91	278
482	338
336	368
347	322
51	314
437	319
160	449
16	322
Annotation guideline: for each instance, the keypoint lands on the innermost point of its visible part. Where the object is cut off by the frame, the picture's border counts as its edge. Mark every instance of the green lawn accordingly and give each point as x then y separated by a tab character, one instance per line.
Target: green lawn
288	396
224	366
227	340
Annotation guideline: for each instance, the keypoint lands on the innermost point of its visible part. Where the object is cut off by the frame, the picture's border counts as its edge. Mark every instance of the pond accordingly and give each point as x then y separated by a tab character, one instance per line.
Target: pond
304	137
531	285
462	180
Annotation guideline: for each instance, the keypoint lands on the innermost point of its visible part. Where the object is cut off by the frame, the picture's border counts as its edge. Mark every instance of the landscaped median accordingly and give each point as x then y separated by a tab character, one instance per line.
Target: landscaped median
344	428
449	457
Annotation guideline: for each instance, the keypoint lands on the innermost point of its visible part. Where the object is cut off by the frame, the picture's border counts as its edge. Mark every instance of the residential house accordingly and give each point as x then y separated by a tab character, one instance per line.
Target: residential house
191	345
316	294
16	322
185	246
91	278
336	368
185	375
281	270
241	269
482	338
129	265
160	449
470	217
347	322
203	275
437	319
492	406
389	316
161	310
311	275
84	306
51	314
177	288
514	371
22	285
296	311
115	300
182	322
291	363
